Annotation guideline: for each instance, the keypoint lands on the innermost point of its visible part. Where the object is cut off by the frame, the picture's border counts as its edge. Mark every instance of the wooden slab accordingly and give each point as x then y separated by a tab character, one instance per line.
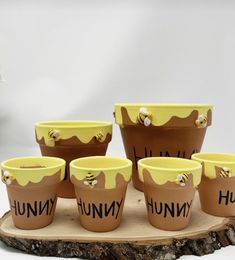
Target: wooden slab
134	239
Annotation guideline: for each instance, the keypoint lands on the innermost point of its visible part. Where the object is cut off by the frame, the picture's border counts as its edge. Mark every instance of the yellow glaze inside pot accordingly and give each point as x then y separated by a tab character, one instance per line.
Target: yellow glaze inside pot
212	162
95	165
167	169
31	169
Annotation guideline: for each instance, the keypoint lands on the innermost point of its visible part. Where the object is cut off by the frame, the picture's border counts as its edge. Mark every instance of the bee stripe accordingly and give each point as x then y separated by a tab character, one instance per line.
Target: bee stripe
223	174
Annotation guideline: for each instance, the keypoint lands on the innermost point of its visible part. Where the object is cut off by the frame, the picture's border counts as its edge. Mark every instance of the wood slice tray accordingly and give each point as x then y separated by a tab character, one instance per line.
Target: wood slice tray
134	239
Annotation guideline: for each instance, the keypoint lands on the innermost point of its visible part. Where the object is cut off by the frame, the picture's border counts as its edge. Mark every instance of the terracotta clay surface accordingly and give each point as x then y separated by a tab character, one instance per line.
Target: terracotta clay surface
71	149
217	196
134	239
100	209
169	206
33	205
140	141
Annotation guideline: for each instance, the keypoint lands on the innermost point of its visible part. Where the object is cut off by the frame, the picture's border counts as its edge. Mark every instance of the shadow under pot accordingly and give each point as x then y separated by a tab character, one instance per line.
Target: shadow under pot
100	185
70	140
217	188
166	130
169	189
32	184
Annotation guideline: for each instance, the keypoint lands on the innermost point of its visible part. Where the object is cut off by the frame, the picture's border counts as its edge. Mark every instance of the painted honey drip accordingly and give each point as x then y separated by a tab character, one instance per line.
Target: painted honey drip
51	134
110	177
162	115
218	170
27	170
9	178
163	178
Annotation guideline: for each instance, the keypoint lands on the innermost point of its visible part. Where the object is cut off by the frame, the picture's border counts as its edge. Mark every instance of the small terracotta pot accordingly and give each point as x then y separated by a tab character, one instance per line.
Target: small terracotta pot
167	130
100	185
217	188
32	184
70	140
169	188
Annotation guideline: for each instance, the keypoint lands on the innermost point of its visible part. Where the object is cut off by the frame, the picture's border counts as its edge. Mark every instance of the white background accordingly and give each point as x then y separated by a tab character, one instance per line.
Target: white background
69	59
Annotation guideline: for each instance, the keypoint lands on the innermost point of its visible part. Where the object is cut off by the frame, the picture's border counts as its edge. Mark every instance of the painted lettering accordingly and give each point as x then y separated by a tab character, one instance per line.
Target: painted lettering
33	209
169	209
99	210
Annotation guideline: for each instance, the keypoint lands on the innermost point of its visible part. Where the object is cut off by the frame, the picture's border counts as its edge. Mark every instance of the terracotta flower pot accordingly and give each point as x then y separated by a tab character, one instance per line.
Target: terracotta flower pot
71	140
32	184
100	185
217	188
167	130
169	188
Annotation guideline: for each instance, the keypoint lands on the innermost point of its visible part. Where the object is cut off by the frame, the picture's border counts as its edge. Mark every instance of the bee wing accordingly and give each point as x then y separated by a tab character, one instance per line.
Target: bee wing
56	133
179	177
6	174
86	182
94	182
143	110
8	182
147	121
201	117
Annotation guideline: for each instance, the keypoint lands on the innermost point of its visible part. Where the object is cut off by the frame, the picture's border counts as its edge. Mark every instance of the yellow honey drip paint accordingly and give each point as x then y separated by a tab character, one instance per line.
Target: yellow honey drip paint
160	113
85	131
27	170
212	161
109	166
165	169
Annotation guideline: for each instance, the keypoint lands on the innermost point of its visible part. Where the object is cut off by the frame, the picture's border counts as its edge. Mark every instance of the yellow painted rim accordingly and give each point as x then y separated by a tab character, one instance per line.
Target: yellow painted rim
204	157
169	169
96	165
168	160
125	163
178	105
73	124
160	114
14	170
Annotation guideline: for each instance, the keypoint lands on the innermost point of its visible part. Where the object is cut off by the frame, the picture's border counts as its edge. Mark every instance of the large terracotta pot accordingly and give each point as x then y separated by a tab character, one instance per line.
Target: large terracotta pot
168	130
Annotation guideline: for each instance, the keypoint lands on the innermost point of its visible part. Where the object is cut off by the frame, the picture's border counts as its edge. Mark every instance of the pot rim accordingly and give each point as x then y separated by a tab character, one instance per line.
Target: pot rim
77	124
126	163
170	105
197	158
60	163
195	165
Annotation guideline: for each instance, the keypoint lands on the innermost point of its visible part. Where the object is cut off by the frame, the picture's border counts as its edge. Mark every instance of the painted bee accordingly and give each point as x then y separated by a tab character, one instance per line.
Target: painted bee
201	121
53	135
7	178
90	180
144	117
181	179
225	173
100	136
